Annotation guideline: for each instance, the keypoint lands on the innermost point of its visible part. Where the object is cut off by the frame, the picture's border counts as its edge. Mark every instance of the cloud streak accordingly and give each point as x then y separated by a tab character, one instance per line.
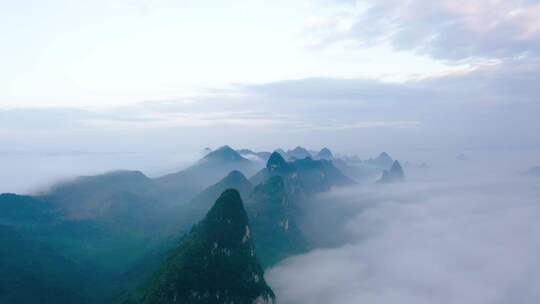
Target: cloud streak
491	106
448	29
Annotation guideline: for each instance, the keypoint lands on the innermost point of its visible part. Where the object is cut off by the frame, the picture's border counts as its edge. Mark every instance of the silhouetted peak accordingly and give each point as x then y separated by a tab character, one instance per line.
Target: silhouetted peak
396	167
214	263
300	149
224	153
234	176
298	153
395	174
325	153
276	162
383	161
228	208
384	155
225	149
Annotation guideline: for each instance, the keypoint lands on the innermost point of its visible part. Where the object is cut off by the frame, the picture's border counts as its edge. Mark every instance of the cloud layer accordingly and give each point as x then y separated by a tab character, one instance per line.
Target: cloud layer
490	107
466	241
446	29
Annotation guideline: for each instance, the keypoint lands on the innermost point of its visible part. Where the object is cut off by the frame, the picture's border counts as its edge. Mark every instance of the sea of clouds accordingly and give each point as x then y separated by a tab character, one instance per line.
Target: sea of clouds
461	237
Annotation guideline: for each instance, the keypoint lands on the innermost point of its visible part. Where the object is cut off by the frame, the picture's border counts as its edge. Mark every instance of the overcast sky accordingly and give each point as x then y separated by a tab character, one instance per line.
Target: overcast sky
359	76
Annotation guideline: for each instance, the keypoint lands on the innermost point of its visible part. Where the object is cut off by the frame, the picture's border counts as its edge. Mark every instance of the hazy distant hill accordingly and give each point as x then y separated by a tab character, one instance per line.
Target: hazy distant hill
383	161
325	153
367	171
188	214
130	197
93	196
307	175
395	174
298	153
185	184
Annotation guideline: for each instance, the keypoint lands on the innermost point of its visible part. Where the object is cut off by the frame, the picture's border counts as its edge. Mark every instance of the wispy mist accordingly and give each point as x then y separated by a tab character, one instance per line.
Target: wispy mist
30	172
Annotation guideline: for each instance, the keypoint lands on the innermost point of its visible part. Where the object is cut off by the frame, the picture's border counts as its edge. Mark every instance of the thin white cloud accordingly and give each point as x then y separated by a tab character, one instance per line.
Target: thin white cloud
448	29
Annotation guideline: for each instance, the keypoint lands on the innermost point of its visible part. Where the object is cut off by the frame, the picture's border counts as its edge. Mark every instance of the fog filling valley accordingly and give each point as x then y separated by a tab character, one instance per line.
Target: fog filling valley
457	231
451	238
270	152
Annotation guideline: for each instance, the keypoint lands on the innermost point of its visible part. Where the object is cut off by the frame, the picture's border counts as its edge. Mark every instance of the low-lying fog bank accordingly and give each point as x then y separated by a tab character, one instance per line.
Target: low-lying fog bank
28	172
462	238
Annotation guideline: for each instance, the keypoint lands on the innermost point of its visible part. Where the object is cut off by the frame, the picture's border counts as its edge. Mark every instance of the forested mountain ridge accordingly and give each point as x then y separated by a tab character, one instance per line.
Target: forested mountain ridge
214	263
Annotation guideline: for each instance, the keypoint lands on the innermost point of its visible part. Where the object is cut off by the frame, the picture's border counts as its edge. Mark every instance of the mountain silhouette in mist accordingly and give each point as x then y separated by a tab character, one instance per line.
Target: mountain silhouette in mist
395	174
307	175
383	161
298	153
184	185
325	153
124	224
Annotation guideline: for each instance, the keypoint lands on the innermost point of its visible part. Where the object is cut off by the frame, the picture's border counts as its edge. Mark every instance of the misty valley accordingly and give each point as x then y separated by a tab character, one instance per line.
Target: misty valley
201	235
240	226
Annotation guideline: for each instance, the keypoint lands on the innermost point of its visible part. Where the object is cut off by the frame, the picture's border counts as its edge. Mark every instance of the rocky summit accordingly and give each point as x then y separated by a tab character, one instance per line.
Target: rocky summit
214	263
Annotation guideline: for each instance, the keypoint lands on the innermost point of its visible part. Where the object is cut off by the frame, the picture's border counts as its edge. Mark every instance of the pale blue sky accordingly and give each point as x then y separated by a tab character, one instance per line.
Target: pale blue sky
104	53
357	76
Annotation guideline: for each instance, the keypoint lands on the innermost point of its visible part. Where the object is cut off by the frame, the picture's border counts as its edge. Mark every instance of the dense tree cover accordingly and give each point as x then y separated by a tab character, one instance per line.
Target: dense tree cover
214	263
97	238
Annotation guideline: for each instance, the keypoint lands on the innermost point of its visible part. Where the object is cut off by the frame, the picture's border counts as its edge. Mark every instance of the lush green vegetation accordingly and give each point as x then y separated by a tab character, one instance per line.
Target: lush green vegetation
97	238
214	263
33	272
273	214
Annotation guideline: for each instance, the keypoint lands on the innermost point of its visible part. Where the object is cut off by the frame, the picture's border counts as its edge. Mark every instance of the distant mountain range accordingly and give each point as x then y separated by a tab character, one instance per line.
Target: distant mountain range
184	185
99	238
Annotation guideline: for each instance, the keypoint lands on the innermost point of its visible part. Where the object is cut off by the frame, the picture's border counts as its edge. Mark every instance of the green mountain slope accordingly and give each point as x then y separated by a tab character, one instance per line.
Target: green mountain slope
214	263
106	247
32	273
273	213
25	211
